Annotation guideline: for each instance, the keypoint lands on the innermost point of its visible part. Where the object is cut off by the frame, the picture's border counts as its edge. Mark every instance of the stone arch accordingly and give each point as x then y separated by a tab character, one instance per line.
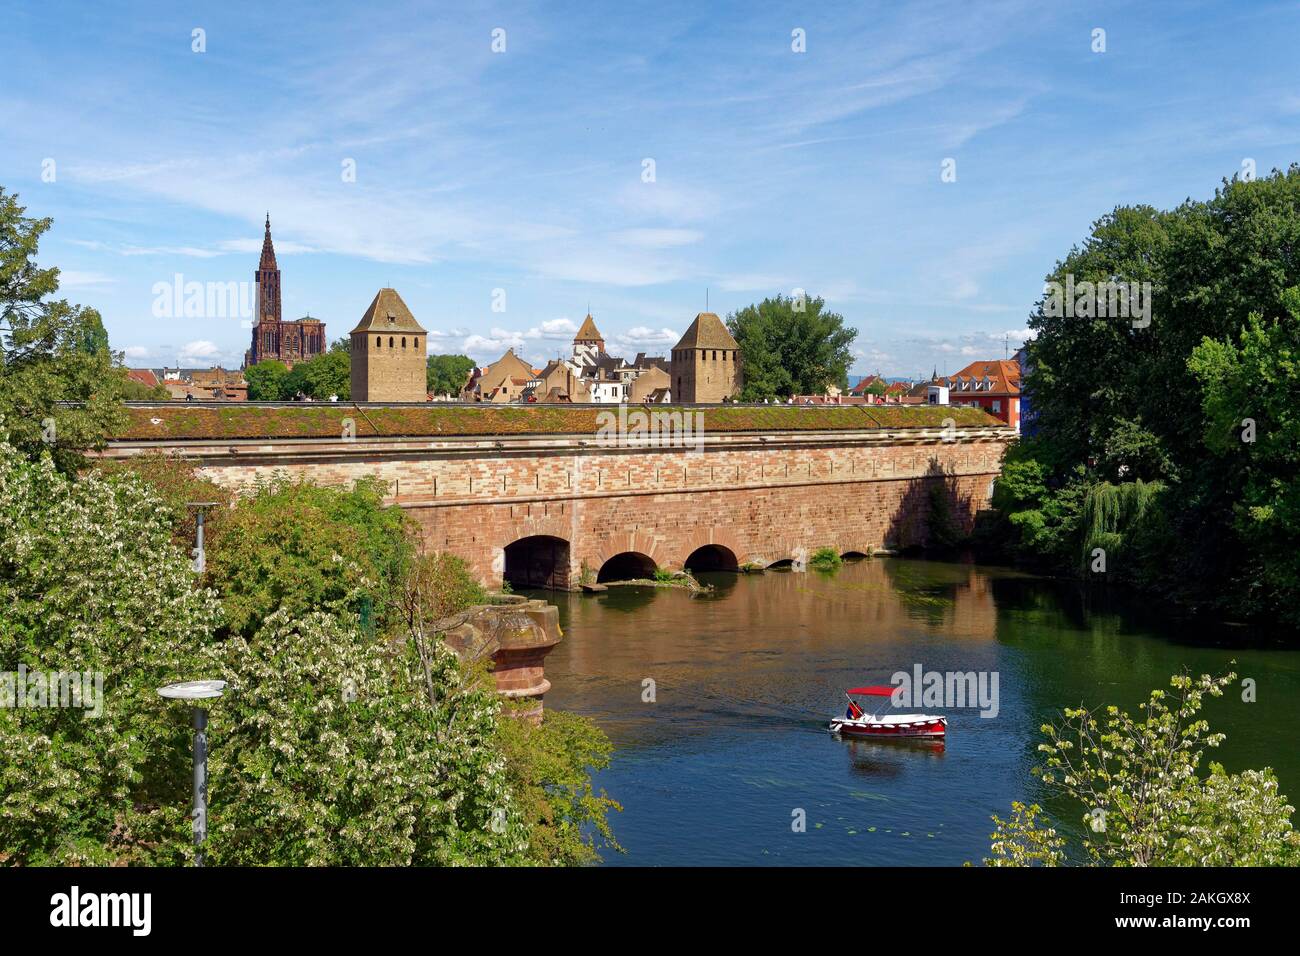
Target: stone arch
626	566
699	538
611	544
537	561
712	557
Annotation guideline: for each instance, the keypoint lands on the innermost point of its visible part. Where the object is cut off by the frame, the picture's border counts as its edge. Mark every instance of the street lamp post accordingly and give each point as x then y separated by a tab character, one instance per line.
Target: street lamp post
193	691
200	560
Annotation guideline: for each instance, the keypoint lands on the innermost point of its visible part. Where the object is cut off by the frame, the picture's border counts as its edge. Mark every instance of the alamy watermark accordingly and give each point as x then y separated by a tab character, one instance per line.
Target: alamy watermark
651	429
178	299
1100	300
922	688
35	690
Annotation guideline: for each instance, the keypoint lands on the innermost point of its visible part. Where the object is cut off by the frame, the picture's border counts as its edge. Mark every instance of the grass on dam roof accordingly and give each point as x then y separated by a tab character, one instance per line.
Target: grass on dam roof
166	422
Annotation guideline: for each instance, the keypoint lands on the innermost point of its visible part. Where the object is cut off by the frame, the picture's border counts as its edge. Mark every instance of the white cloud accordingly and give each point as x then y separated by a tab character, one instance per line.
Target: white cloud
199	352
135	352
84	280
643	335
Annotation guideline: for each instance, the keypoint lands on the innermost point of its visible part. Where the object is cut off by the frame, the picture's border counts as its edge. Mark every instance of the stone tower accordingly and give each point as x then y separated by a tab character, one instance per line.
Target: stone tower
588	344
706	363
388	353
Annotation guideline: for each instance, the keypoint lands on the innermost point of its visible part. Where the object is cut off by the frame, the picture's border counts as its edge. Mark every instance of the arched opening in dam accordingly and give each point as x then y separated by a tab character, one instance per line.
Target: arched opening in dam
712	557
626	566
538	561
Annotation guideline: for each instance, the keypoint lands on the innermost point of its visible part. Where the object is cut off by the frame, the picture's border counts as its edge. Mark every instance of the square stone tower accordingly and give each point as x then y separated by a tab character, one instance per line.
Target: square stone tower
388	353
706	365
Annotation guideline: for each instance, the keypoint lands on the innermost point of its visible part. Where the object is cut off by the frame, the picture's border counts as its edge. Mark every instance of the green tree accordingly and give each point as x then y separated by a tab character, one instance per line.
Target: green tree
301	547
60	386
267	382
791	346
1141	799
1252	424
446	374
1106	389
549	766
134	391
321	377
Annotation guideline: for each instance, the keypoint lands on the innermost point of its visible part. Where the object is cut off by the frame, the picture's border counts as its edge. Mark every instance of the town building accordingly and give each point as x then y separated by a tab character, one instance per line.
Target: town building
389	351
503	381
214	384
993	386
589	375
706	366
274	339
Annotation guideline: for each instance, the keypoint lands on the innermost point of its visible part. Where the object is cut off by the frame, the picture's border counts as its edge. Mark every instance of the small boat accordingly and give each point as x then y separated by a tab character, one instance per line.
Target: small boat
858	723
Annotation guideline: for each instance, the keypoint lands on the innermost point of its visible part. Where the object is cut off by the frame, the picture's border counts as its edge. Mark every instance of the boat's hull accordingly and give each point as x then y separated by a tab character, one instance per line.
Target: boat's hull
922	725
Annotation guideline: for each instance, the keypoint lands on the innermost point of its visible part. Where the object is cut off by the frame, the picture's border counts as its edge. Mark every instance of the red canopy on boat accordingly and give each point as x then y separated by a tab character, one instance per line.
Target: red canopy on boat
879	690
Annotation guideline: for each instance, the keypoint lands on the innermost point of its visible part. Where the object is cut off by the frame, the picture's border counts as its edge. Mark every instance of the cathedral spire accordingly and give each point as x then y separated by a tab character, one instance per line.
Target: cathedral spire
268	250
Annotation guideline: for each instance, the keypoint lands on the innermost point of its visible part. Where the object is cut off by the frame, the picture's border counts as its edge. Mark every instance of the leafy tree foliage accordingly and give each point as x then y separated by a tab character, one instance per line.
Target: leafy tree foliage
1119	402
1135	779
134	391
51	352
266	381
1252	424
297	546
549	767
791	347
326	375
447	373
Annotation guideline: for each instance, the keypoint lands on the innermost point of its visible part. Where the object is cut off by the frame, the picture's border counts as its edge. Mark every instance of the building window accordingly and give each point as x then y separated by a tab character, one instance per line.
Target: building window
403	341
390	341
379	343
997	405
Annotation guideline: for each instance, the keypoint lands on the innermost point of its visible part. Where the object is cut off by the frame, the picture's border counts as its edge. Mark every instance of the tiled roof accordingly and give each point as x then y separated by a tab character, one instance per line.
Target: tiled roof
707	332
388	305
588	332
1003	378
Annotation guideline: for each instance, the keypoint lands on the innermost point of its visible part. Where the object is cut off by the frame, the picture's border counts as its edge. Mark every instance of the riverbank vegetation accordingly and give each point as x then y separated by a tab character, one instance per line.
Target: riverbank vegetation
1135	782
1167	447
350	734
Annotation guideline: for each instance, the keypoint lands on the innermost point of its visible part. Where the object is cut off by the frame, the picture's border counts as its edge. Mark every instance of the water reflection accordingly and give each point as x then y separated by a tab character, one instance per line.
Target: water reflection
717	704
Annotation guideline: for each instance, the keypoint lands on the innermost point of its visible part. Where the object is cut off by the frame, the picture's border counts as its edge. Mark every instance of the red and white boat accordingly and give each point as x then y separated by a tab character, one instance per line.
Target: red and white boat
858	723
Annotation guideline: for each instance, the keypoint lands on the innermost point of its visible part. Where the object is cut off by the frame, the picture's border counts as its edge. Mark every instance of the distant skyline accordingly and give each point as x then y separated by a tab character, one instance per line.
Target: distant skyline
518	178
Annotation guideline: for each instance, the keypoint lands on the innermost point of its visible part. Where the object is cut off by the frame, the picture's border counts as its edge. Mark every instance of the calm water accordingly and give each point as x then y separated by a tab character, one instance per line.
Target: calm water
747	677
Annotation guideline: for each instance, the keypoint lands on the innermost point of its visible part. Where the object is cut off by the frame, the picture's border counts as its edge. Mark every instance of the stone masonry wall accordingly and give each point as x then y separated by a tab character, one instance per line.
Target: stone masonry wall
764	502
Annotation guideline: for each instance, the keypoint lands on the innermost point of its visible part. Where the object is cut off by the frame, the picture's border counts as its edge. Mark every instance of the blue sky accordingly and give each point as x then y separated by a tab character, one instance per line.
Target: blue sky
522	170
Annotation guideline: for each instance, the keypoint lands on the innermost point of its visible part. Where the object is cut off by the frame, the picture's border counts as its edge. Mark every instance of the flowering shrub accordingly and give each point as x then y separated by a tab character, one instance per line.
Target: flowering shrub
91	581
327	750
1143	800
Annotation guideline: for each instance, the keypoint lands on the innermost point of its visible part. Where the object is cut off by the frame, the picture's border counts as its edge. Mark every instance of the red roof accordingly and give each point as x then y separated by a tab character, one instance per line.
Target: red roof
143	375
1003	377
864	384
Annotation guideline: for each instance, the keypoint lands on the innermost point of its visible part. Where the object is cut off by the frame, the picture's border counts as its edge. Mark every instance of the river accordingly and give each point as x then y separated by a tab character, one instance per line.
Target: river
733	747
